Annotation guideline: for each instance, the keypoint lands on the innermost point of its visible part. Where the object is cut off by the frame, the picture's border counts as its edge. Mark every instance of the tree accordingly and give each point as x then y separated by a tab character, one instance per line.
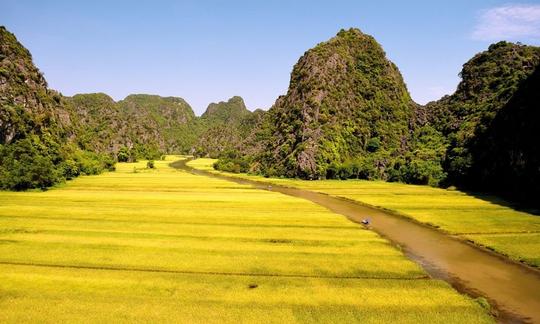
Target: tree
123	154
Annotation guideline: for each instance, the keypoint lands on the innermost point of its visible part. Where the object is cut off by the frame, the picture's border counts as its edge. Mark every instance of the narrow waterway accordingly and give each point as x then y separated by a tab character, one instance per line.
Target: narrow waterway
512	288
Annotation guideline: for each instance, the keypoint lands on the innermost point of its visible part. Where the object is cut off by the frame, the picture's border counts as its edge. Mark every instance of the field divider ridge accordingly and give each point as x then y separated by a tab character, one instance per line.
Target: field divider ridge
216	273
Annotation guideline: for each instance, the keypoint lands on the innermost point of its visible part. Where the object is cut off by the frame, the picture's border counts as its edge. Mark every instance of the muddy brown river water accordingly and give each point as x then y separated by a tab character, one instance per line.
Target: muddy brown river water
512	288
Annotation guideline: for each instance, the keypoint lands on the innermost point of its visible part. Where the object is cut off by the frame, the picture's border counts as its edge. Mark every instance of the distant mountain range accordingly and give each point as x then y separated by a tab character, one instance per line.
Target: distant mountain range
347	114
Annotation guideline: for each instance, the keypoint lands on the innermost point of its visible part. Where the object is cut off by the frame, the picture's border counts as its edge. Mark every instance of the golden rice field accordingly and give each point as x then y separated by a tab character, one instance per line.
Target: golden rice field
167	246
510	232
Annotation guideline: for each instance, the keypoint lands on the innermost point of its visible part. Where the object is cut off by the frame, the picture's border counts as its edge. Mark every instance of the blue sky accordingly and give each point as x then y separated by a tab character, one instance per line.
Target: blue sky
208	51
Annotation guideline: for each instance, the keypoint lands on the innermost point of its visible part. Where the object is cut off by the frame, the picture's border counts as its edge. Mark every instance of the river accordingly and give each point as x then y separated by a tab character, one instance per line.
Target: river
512	288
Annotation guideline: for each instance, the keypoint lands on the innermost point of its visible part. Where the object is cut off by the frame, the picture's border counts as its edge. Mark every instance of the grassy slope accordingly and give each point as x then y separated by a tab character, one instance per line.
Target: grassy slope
503	229
211	239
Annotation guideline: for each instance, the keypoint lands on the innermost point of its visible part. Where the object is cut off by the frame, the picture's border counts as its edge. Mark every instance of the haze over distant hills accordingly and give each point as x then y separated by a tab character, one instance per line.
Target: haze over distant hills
347	114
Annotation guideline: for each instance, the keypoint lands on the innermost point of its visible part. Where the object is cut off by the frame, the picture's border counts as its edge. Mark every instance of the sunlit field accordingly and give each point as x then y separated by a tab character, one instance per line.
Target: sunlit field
497	227
161	245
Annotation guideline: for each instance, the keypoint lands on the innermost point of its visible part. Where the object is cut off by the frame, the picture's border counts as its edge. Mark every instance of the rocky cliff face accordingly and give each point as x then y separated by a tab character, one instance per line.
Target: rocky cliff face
345	99
231	111
28	106
36	130
225	126
163	120
146	123
346	114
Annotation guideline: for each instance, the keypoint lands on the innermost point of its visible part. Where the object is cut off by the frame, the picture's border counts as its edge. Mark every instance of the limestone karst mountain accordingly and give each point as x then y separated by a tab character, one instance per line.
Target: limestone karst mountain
347	114
345	100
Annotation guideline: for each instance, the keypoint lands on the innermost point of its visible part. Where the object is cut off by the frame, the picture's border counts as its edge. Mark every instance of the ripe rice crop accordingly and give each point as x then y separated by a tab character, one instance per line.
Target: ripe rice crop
161	245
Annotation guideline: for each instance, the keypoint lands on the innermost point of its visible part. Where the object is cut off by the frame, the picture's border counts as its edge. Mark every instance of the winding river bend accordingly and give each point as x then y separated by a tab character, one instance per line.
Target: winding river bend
512	288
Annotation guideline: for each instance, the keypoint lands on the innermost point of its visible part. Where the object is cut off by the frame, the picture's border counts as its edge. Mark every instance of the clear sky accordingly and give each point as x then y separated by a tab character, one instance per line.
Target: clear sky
208	51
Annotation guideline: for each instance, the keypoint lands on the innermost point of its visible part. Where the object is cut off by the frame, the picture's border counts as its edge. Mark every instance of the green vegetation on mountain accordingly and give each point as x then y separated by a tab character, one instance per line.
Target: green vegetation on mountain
224	127
145	125
489	122
46	138
507	154
35	150
230	112
347	114
345	100
169	118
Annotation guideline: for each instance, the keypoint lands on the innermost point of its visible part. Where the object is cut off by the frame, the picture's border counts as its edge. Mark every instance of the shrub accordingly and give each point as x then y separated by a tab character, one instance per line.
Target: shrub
345	171
332	171
422	172
39	162
231	161
373	144
70	169
27	164
123	154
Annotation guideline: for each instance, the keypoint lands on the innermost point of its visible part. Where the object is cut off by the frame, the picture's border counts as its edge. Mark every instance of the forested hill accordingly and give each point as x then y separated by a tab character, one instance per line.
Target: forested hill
147	126
224	126
231	111
141	126
345	100
36	130
489	122
347	114
46	137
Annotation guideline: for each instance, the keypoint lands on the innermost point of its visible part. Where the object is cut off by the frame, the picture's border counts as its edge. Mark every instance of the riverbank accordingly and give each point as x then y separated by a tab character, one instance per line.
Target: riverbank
482	220
514	288
159	245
